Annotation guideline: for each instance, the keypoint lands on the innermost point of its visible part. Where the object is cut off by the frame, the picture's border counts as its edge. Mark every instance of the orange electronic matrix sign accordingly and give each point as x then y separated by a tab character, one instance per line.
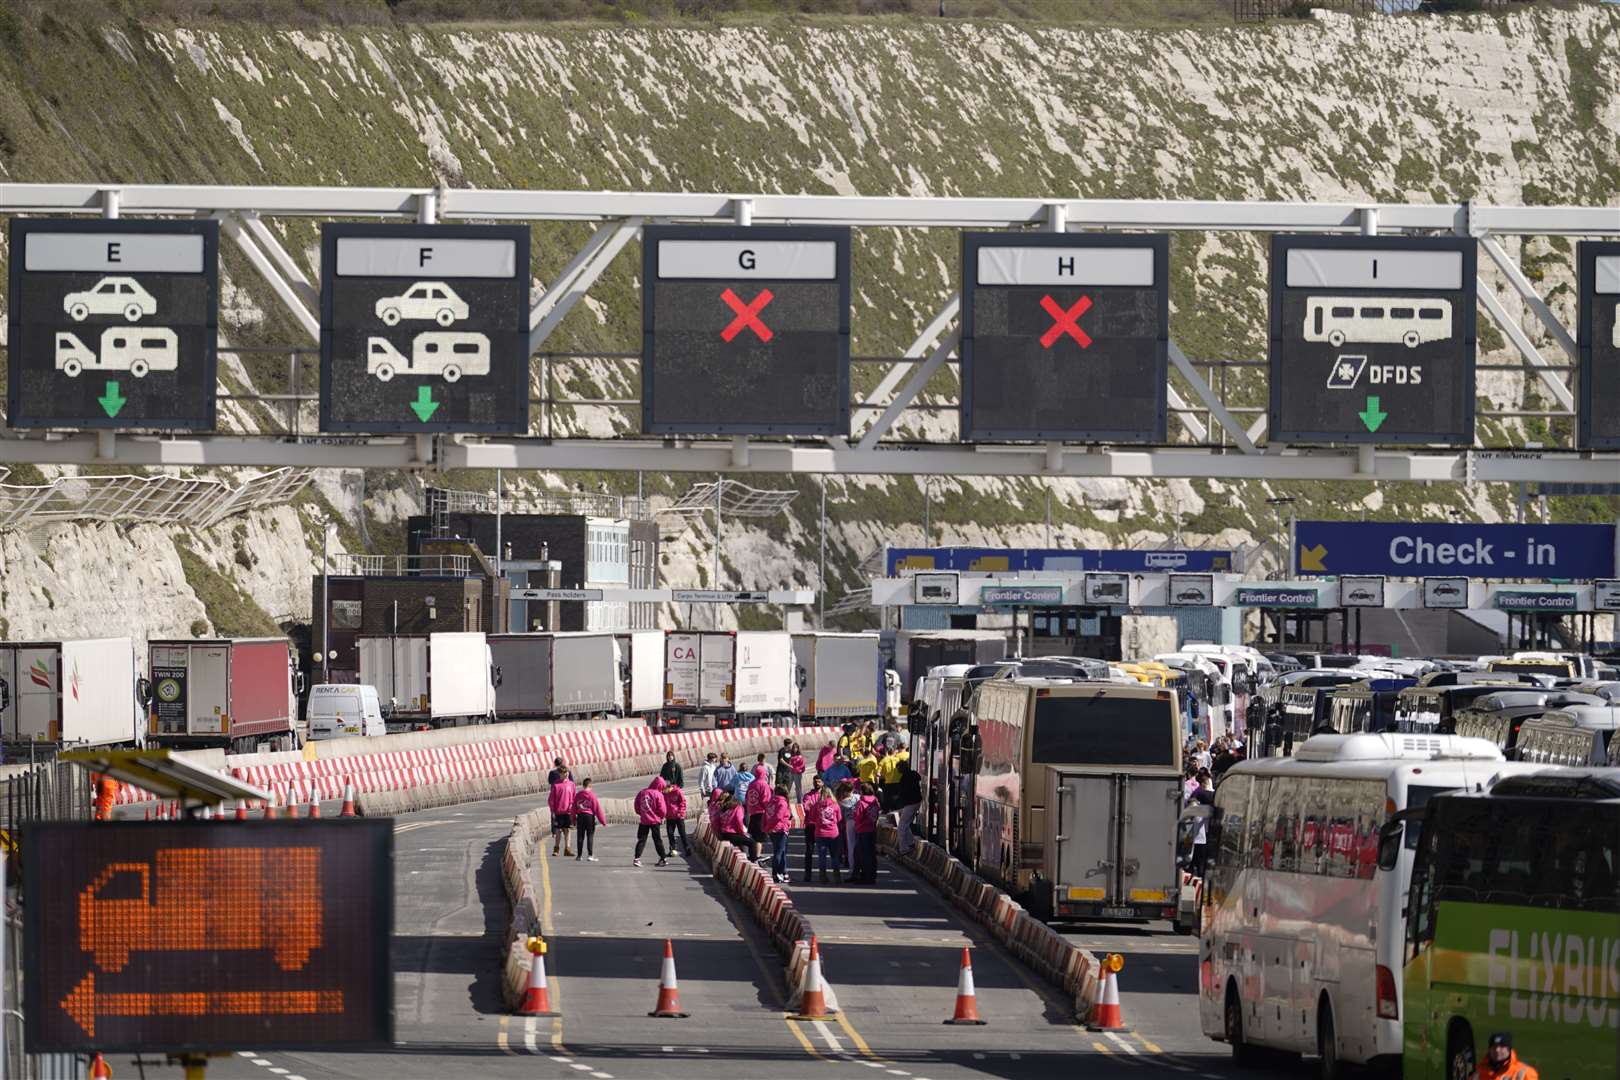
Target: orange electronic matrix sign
206	937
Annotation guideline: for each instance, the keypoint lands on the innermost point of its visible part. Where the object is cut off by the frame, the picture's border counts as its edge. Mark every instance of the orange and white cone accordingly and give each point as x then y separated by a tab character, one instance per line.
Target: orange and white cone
241	810
314	802
813	999
537	998
967	1000
669	996
272	807
99	1069
348	798
1106	1015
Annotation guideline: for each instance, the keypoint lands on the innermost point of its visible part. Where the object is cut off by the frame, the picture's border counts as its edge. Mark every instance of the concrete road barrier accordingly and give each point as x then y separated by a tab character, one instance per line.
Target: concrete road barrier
1071	969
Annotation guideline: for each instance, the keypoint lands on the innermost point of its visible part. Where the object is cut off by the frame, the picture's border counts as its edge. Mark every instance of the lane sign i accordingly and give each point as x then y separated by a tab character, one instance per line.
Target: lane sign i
745	330
1372	339
424	328
1083	317
113	324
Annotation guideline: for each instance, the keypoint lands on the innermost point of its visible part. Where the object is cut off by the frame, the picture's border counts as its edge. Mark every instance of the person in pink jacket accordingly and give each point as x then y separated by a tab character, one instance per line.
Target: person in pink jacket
675	819
825	758
587	811
651	811
758	794
729	823
560	801
866	821
777	820
827	817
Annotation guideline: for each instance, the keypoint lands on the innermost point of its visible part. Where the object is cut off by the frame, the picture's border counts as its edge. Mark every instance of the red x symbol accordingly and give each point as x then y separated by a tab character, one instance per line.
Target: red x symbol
1065	322
747	315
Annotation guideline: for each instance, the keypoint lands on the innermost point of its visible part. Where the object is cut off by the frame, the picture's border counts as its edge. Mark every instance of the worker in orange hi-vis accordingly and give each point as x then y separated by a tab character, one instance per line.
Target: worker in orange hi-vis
106	793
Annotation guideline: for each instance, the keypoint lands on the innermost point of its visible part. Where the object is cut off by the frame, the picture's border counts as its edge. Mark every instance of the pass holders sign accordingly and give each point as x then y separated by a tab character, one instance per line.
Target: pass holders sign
1191	590
1361	591
935	588
113	324
1276	596
425	328
191	937
1534	600
1020	595
1598	342
589	595
1445	592
1606	594
1372	339
1107	590
1065	336
1419	549
745	330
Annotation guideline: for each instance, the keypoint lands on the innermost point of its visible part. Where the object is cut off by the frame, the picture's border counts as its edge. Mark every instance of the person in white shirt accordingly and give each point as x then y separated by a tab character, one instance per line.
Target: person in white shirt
706	777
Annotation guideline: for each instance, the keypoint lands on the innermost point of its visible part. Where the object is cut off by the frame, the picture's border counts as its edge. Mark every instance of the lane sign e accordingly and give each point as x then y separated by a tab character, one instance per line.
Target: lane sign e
745	330
1386	326
424	328
1085	318
113	324
1598	344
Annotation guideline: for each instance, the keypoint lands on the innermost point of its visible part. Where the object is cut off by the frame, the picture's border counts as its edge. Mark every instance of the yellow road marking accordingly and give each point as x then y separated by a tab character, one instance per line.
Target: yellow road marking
501	1037
1145	1042
855	1037
1101	1048
548	930
809	1047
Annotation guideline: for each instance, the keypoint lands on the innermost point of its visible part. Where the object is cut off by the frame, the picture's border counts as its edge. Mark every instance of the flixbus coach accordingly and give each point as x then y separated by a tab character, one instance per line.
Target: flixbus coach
1301	926
1513	924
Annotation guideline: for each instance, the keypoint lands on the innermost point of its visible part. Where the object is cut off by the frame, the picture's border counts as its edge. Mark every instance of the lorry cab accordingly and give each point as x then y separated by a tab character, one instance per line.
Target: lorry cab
340	710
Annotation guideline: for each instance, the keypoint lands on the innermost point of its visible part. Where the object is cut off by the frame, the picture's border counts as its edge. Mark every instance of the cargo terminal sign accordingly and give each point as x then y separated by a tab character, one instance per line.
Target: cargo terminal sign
425	328
113	324
1065	337
1372	339
1598	341
191	937
745	330
1403	549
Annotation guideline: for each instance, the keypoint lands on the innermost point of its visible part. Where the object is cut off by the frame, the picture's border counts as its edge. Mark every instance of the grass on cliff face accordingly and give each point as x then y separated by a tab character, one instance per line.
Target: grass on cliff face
233	612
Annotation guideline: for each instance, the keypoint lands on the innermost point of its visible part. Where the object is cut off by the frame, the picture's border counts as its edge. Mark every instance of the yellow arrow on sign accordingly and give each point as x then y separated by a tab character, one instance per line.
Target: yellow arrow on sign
1310	558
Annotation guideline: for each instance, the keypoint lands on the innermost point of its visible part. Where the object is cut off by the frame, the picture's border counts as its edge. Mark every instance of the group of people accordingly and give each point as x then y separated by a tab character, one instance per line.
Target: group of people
853	780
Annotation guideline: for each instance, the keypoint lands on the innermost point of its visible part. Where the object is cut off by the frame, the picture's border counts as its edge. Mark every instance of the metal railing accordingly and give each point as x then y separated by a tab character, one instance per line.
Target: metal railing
351	564
147	500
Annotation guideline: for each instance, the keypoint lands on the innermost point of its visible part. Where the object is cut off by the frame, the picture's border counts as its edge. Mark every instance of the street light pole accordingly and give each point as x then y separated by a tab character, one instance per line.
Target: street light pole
326	606
821	574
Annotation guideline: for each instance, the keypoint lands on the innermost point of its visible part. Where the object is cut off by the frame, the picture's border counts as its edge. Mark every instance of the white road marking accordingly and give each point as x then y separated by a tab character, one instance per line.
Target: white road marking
247	1053
897	1072
261	1062
280	1072
826	1034
581	1067
529	1025
1113	1037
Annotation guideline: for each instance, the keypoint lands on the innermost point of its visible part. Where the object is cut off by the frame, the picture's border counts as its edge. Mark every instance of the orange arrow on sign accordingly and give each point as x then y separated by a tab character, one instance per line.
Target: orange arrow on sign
84	1004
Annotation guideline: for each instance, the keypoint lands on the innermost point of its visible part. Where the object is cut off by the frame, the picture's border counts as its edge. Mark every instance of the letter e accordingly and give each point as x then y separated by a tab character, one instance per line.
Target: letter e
115	251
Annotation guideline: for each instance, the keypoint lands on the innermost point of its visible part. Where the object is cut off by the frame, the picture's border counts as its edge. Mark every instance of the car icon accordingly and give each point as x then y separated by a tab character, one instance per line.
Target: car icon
425	300
1190	594
1364	595
110	296
1447	589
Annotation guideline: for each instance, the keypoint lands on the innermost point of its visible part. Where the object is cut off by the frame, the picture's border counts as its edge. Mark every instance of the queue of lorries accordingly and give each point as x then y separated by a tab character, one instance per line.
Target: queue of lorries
1415	856
246	695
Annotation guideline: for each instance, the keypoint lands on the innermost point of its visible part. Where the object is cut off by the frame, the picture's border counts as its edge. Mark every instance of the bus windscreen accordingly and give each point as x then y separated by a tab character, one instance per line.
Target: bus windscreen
1540	853
1102	729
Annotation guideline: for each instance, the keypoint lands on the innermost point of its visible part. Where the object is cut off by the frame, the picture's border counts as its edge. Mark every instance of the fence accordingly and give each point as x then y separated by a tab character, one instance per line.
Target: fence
146	500
45	792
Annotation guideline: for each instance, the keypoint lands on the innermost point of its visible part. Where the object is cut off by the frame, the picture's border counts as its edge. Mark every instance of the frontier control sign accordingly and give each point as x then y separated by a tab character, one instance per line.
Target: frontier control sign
745	330
425	328
1065	337
194	937
113	324
1372	339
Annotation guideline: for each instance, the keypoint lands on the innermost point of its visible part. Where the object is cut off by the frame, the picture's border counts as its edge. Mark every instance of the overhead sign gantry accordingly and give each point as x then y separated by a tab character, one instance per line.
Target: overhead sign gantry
1598	279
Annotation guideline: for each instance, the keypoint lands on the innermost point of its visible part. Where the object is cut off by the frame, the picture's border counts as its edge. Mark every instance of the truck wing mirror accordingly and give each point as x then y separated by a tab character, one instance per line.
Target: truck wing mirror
804	678
495	677
1390	836
143	692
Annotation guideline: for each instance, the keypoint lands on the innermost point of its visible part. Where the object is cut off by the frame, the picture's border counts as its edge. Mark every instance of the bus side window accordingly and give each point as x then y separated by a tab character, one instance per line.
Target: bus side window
1285	826
1232	799
1259	845
1420	899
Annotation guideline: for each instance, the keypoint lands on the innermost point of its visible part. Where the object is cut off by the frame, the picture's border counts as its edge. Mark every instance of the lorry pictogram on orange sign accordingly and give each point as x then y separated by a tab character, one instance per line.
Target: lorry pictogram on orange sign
205	899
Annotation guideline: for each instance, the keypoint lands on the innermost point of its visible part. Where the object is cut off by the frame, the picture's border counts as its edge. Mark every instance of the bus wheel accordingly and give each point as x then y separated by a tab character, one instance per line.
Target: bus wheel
1460	1052
1327	1044
1242	1052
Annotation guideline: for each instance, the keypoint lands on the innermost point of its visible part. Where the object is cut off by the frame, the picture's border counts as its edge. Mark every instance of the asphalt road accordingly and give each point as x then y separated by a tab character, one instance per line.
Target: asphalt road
892	953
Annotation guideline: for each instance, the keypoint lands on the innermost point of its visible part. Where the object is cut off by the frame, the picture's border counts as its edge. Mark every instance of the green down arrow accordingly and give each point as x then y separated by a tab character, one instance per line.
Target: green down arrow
112	401
1373	417
424	406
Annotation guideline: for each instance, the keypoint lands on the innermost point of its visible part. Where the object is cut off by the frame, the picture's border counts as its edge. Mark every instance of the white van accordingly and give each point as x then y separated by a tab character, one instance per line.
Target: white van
337	710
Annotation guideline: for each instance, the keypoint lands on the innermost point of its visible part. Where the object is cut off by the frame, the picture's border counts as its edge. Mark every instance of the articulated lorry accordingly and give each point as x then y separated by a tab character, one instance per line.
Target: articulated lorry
841	676
70	693
726	678
553	676
437	680
917	651
239	695
641	659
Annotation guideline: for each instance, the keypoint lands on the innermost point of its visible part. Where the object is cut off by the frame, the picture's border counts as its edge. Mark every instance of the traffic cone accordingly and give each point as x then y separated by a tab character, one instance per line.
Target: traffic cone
813	999
204	813
537	998
291	801
1106	1015
241	810
348	798
272	807
314	803
669	997
148	813
967	1001
99	1069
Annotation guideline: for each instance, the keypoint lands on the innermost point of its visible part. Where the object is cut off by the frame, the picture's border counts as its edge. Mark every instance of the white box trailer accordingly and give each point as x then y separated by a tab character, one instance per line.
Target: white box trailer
641	657
554	675
445	679
84	692
766	677
840	676
723	678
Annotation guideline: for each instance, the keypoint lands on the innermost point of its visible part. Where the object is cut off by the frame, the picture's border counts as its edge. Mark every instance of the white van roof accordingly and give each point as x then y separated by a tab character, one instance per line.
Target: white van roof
1395	746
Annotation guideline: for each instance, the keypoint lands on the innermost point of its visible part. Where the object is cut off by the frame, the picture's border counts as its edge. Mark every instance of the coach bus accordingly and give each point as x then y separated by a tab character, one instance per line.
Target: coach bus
1513	925
1077	791
1301	924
